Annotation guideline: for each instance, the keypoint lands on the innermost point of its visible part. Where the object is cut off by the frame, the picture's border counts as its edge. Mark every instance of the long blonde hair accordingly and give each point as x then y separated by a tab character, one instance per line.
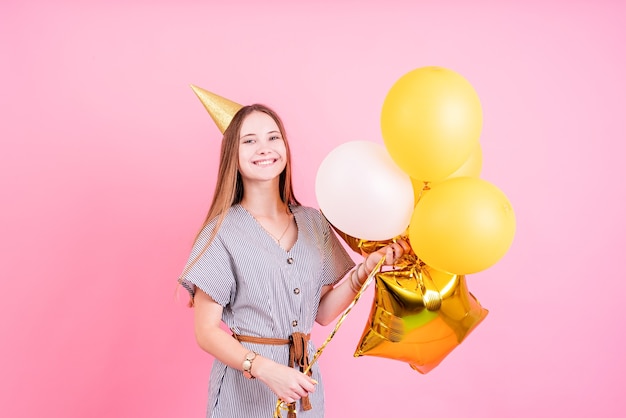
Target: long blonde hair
229	185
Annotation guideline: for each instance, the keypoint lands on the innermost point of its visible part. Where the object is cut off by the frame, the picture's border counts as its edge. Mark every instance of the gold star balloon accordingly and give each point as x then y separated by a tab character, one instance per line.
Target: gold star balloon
221	110
419	315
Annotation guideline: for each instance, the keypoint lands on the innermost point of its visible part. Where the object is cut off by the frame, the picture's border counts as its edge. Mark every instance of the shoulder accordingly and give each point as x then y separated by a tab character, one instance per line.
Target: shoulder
308	213
231	218
234	214
312	218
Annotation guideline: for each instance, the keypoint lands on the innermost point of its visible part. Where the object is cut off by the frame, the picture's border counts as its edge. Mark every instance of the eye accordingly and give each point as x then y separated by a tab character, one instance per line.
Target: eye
274	137
247	141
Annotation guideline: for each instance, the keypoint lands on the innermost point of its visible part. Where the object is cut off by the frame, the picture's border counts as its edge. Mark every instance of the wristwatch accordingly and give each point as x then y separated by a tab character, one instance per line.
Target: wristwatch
247	365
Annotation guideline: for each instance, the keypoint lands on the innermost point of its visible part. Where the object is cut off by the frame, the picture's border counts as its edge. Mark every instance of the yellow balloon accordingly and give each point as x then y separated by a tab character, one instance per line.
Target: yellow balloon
472	166
462	225
431	120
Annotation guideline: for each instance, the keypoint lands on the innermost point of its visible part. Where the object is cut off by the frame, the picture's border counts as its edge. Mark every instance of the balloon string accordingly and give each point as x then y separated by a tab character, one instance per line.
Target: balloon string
424	189
280	404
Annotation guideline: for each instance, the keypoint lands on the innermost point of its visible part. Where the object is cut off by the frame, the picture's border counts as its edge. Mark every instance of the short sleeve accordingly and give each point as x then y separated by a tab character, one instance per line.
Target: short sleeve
335	259
210	269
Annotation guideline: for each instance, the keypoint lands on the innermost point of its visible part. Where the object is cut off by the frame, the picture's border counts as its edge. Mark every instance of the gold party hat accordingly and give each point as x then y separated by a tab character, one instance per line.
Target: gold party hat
221	110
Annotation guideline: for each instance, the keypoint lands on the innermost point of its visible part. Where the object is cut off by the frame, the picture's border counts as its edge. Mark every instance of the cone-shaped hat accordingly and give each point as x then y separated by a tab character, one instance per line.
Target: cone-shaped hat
221	110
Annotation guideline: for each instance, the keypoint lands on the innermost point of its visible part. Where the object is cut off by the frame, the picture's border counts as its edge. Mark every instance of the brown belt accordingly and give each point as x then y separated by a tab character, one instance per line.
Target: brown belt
298	354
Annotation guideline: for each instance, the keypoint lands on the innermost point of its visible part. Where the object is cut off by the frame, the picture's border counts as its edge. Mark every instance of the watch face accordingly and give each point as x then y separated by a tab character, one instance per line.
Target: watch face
247	365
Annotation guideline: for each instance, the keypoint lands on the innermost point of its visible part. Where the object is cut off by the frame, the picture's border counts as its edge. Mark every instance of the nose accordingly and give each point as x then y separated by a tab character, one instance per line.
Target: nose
264	147
263	150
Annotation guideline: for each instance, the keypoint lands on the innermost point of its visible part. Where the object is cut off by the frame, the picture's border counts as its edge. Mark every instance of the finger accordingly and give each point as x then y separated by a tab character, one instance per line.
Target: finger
405	245
399	250
395	252
301	392
390	255
309	386
373	258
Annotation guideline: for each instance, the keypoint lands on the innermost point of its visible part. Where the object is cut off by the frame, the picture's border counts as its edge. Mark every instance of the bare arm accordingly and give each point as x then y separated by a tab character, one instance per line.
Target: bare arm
336	299
287	383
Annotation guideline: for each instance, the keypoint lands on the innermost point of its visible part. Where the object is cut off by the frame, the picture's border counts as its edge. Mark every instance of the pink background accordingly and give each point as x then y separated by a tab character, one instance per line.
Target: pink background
108	162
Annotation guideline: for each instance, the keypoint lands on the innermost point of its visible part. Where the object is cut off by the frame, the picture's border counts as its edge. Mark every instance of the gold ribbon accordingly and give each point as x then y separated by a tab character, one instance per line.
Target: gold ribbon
290	408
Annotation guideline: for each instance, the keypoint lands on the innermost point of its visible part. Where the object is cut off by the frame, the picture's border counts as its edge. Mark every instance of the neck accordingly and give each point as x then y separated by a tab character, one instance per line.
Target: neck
263	202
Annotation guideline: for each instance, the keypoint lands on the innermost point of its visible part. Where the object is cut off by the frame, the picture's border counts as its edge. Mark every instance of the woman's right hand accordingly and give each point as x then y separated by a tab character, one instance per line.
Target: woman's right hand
287	383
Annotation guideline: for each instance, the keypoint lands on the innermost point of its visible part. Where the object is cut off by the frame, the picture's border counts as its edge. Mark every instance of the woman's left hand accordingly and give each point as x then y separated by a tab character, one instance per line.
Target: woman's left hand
334	300
392	253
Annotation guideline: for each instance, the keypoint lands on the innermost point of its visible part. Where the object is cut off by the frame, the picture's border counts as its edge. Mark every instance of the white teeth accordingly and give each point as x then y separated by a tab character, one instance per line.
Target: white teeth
264	162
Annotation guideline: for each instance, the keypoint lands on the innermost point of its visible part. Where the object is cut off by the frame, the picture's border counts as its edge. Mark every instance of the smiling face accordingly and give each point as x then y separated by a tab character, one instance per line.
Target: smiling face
262	150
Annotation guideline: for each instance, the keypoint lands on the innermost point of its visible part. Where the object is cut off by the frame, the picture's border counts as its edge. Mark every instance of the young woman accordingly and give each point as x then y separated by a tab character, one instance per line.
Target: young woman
267	268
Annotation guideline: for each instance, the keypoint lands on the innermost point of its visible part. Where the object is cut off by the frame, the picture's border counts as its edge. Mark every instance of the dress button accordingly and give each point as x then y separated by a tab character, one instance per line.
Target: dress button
290	260
294	323
296	291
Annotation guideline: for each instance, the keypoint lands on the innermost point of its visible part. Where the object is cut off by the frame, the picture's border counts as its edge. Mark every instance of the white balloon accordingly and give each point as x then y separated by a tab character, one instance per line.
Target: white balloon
363	193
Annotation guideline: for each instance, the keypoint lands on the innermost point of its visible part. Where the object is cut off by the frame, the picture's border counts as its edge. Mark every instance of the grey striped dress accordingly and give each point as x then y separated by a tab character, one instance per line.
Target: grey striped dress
265	292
